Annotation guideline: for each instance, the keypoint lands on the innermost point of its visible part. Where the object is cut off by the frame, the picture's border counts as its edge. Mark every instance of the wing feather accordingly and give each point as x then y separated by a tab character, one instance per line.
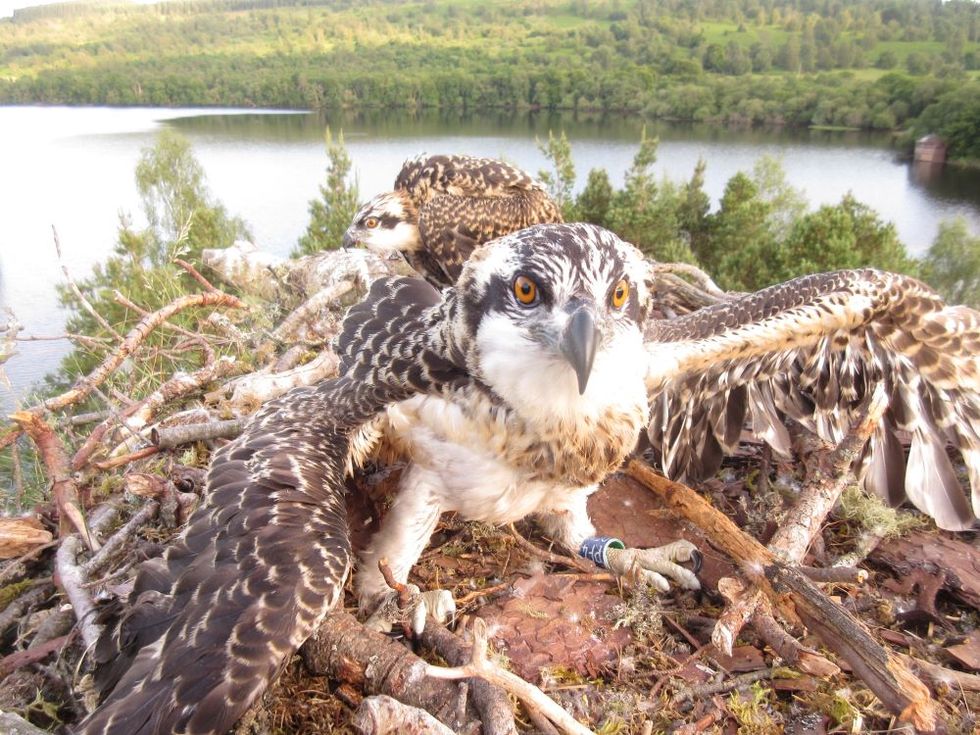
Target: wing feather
265	558
811	350
426	177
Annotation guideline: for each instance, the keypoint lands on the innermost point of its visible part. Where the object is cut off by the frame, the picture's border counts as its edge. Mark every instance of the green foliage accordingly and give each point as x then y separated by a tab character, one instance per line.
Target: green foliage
952	265
845	235
645	213
955	117
695	60
561	179
331	214
183	220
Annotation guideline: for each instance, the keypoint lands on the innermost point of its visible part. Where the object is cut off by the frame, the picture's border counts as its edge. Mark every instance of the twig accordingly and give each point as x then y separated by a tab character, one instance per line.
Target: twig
836	575
17	609
32	655
63	485
125	459
195	274
736	682
71	579
530	695
885	675
173	436
136	336
582	565
310	309
496	714
803	521
404	596
78	294
115	542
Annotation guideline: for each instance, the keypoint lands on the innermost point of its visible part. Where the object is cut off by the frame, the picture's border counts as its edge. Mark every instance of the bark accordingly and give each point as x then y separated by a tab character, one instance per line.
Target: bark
244	395
381	715
137	335
886	675
345	650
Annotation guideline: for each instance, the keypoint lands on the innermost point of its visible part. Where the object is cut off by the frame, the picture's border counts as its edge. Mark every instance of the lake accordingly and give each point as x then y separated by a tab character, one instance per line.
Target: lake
73	168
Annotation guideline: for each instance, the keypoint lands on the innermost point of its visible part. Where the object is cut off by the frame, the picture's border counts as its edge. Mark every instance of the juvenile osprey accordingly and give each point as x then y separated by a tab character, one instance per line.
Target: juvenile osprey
516	393
445	206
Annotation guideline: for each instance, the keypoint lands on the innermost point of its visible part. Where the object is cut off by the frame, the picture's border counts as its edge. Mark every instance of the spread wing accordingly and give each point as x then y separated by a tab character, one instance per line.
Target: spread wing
812	349
426	177
265	557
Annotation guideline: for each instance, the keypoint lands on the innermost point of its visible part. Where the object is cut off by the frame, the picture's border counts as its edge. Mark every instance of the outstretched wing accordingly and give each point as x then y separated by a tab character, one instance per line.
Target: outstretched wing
812	349
265	558
426	177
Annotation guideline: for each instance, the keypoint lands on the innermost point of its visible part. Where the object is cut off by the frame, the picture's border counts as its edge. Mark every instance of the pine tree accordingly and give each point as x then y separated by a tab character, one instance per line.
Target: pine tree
331	214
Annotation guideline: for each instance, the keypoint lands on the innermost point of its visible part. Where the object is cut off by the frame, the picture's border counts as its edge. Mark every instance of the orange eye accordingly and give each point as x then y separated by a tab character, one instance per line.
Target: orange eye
525	290
620	294
371	222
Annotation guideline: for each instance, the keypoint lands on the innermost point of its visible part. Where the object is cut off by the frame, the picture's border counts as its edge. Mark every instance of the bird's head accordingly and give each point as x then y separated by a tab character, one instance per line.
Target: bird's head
387	223
553	315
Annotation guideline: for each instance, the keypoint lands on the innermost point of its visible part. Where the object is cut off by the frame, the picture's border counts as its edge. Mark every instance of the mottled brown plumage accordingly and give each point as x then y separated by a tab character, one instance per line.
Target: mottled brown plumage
443	207
811	351
482	389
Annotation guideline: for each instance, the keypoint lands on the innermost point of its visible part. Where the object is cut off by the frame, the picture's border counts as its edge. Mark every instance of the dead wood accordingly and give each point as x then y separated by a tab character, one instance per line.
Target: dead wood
173	436
886	675
381	715
34	654
306	322
11	724
136	336
496	714
71	579
244	395
64	488
19	536
78	294
345	650
19	607
134	418
534	700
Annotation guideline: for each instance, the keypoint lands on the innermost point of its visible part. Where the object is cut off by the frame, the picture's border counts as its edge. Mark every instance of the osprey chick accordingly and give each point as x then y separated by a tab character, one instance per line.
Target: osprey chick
443	207
516	393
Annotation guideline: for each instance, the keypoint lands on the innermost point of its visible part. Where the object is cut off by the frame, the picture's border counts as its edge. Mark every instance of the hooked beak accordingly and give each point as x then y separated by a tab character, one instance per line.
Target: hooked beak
578	344
349	241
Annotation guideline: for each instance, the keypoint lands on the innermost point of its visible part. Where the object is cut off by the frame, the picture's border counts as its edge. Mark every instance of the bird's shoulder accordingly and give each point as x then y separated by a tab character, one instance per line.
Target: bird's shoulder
425	178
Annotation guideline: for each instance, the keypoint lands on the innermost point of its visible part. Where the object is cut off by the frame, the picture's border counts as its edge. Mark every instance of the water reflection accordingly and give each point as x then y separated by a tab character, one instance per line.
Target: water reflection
74	168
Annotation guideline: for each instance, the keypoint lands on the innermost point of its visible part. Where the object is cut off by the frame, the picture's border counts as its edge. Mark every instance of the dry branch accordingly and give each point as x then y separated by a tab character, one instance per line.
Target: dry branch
136	336
64	488
78	294
803	521
135	417
71	579
173	436
887	676
344	649
381	715
496	715
529	695
244	395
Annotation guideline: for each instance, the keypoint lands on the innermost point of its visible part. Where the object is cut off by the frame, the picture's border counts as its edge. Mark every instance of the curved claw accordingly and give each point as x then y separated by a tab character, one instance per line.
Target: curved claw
437	603
656	566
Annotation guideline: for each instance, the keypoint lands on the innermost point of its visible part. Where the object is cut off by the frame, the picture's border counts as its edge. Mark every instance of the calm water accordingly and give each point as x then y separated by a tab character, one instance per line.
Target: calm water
72	168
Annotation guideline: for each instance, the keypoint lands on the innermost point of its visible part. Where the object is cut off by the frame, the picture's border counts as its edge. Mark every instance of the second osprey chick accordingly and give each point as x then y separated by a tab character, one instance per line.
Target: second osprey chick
443	207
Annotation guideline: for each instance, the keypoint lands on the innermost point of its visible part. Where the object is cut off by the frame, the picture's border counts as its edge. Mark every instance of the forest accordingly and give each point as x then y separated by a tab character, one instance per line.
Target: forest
897	64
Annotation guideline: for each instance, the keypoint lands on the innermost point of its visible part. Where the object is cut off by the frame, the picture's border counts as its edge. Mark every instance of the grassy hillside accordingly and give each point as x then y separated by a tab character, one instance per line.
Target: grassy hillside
871	64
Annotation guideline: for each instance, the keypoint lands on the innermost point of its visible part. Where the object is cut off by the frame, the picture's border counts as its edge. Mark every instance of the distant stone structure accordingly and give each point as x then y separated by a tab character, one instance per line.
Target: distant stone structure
930	149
